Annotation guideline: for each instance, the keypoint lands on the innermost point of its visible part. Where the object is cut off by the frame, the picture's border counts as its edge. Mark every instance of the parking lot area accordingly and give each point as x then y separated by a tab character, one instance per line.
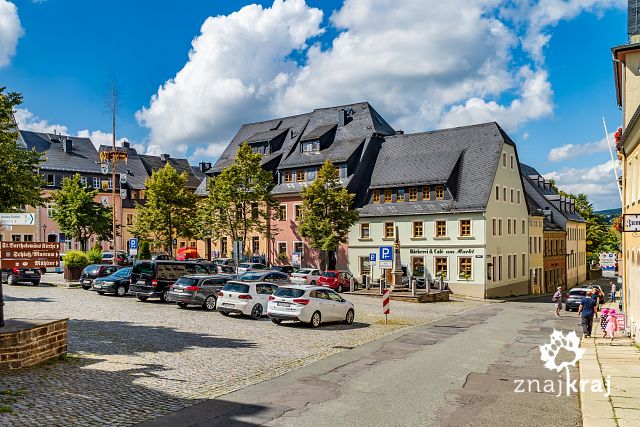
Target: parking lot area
131	361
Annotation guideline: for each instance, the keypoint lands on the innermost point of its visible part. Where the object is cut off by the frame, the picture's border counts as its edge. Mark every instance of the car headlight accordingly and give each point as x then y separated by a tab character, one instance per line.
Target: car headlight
108	283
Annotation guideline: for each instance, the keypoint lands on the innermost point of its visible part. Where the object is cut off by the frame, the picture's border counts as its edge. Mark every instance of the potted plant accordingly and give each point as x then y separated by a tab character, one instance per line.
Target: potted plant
74	263
282	256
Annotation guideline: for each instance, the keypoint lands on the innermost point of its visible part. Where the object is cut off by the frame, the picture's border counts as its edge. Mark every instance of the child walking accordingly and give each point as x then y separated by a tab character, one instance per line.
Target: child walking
604	315
612	325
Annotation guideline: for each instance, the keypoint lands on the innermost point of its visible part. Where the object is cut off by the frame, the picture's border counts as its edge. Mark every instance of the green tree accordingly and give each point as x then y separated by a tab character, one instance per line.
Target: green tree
239	199
326	213
21	183
169	210
144	252
78	214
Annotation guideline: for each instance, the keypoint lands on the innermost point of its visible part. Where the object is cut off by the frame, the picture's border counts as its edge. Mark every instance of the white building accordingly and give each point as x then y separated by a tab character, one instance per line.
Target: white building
455	197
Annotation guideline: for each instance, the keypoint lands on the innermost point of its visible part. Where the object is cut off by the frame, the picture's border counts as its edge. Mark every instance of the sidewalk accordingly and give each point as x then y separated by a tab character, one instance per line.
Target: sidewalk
619	364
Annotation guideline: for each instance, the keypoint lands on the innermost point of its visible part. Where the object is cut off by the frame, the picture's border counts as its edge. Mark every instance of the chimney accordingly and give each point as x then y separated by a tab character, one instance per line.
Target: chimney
67	146
342	118
125	144
164	157
204	166
547	213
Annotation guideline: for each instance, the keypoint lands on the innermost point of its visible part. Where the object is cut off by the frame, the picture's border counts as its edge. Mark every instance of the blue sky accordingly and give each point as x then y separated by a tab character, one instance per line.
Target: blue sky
541	70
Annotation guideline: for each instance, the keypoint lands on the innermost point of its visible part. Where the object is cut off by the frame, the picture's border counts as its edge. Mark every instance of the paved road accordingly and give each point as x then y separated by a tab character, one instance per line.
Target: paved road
458	371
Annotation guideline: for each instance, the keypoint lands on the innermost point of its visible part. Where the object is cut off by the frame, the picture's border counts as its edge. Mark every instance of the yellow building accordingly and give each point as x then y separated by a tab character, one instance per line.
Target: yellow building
536	257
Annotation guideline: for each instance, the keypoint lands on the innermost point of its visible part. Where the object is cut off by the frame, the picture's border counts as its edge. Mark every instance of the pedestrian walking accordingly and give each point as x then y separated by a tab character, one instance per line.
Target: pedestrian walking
612	324
588	308
557	300
613	292
604	317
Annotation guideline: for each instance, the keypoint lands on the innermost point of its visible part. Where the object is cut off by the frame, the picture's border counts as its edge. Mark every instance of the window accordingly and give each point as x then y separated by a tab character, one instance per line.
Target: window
441	229
311	174
27	238
515	266
298	247
500	227
83	181
193	244
282	213
255	244
464	267
439	192
417	266
388	230
51	180
365	265
282	249
413	194
401	195
441	267
504	194
255	212
49	210
297	212
426	192
376	196
129	219
109	184
524	227
508	226
223	246
511	162
16	238
497	192
364	230
388	196
495	230
518	197
96	182
504	160
310	146
524	260
300	175
288	176
418	230
465	228
512	195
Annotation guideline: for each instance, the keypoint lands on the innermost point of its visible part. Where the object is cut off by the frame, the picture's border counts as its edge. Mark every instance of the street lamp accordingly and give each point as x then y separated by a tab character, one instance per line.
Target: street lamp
44	233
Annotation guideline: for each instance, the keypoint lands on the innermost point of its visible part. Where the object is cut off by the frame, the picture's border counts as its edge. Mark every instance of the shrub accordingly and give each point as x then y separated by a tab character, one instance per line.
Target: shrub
143	251
94	256
75	259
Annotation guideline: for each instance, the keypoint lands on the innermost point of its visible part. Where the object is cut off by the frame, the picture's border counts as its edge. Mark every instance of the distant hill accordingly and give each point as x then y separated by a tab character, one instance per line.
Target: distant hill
611	214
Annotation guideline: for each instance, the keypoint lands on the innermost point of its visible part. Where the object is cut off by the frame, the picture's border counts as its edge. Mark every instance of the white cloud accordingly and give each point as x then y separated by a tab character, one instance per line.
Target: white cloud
29	121
598	182
570	151
10	31
100	138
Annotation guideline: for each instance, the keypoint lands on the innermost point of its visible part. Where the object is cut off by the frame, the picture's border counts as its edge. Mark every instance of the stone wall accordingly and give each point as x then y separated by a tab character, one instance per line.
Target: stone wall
27	342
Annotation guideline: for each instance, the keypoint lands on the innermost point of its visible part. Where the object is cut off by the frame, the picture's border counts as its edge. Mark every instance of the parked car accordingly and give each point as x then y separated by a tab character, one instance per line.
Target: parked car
116	283
289	269
57	269
246	298
12	276
93	271
306	276
573	297
312	305
250	266
265	276
338	280
152	279
226	263
161	256
121	258
199	290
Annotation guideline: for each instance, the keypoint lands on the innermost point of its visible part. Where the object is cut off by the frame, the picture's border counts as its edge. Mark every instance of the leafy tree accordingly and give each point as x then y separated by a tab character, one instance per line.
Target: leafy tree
169	210
239	199
78	214
326	213
144	252
94	255
21	183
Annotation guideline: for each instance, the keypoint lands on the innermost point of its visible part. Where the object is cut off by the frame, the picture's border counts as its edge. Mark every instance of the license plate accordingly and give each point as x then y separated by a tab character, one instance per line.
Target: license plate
227	305
141	283
284	304
97	286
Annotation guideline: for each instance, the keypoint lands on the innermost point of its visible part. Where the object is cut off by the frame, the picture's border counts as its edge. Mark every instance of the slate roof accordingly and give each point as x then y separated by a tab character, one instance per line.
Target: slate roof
154	163
363	122
266	135
134	168
319	132
83	157
197	172
468	154
338	152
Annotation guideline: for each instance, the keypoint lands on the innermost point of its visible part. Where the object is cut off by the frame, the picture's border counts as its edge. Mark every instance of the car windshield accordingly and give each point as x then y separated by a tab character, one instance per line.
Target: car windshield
92	269
330	274
289	293
244	265
251	277
186	281
236	287
143	268
125	272
305	271
107	256
578	292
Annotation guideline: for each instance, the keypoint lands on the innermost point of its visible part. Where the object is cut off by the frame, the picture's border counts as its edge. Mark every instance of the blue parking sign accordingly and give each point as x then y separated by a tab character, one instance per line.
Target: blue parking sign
386	253
133	243
372	257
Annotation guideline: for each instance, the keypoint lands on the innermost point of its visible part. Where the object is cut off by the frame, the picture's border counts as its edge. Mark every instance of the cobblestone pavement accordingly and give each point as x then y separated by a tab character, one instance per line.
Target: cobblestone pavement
131	361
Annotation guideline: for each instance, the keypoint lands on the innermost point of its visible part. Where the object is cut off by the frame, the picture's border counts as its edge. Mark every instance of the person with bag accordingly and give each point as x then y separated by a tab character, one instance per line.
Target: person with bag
557	300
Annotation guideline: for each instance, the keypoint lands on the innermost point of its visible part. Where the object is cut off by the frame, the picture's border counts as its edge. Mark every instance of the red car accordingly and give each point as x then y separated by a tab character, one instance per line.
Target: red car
338	280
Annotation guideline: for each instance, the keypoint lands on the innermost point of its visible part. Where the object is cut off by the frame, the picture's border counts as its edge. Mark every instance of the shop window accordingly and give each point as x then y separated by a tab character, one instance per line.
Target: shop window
418	229
417	266
282	213
376	196
464	267
300	175
441	229
439	192
426	192
364	230
388	230
388	196
465	228
413	194
441	267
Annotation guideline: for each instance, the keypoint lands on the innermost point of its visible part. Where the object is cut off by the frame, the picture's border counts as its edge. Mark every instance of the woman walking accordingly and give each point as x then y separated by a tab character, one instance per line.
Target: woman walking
557	299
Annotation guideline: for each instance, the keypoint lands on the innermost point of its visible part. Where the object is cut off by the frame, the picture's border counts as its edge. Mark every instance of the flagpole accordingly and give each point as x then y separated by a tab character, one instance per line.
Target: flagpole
615	171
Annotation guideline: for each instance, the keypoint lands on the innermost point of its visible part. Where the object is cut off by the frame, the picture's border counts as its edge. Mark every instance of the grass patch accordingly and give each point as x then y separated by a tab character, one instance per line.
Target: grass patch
4	409
397	322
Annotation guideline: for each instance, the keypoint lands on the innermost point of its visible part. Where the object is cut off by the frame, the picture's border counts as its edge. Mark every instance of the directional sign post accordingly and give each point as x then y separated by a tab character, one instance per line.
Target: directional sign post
17	218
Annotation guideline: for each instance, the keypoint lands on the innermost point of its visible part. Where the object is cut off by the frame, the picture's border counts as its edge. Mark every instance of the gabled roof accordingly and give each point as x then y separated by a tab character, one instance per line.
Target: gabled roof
133	168
466	158
82	158
154	163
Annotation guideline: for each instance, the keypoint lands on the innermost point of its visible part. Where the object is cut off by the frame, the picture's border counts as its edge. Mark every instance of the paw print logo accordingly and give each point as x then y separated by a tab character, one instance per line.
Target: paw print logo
569	342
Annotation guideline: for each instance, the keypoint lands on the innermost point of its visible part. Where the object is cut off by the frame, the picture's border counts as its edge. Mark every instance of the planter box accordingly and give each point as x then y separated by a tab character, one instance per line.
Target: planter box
72	274
28	342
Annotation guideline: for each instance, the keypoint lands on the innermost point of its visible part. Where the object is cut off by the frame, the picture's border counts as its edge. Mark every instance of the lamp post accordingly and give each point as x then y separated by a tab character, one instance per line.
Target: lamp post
44	233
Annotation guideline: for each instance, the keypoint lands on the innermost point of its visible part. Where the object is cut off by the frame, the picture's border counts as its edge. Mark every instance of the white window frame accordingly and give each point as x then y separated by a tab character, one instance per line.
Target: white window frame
286	247
413	235
96	181
286	212
296	207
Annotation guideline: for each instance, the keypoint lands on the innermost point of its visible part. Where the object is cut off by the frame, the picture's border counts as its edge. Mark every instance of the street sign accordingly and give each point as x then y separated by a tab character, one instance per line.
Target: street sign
386	264
123	194
372	258
17	218
631	223
133	246
29	254
296	259
238	249
105	201
386	253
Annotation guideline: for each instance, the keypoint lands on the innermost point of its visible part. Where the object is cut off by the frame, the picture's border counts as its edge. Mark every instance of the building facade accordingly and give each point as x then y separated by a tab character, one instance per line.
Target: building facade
536	252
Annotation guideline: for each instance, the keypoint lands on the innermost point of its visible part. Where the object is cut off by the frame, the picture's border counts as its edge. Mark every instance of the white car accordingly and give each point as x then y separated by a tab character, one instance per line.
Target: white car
312	305
306	276
248	298
250	266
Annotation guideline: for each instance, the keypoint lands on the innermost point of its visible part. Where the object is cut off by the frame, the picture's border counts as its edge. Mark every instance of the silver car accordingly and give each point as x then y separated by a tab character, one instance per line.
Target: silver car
250	266
265	276
306	276
197	289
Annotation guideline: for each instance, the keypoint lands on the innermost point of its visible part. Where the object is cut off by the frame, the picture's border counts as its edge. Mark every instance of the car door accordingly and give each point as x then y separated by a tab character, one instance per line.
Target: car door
326	306
339	305
264	290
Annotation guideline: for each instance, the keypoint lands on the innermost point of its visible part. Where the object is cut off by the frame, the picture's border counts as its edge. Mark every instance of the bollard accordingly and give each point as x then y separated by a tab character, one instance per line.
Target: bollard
413	286
352	284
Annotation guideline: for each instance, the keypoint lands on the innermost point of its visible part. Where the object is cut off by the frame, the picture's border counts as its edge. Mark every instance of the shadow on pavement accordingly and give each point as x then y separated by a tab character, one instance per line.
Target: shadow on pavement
213	412
9	298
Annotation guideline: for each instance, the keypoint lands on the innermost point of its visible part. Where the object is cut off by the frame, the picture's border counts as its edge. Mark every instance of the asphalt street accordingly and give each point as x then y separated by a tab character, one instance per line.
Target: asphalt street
462	370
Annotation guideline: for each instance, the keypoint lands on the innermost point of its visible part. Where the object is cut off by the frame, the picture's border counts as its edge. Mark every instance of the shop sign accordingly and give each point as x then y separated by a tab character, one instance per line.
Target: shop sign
441	251
631	223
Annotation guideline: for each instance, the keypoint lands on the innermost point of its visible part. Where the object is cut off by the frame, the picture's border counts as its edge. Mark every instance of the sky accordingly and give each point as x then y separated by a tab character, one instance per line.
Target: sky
190	73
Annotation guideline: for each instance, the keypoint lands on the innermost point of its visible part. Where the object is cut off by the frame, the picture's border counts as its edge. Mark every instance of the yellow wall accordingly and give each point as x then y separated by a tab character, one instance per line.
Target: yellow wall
576	264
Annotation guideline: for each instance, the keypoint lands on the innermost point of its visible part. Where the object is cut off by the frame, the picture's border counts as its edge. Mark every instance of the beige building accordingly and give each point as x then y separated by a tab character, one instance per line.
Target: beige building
536	251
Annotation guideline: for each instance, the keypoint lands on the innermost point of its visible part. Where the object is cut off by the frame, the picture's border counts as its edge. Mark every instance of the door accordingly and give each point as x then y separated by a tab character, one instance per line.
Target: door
328	309
263	291
339	305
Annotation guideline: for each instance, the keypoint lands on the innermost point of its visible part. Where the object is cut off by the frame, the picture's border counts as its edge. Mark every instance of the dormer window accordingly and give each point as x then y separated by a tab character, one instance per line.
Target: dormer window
288	176
311	146
262	148
300	175
439	192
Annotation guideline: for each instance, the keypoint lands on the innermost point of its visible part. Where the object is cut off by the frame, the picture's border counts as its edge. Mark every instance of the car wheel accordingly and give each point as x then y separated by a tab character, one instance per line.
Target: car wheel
566	308
316	318
11	280
182	305
210	303
350	316
121	291
36	283
277	321
100	292
164	295
86	287
256	311
313	283
142	298
340	289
